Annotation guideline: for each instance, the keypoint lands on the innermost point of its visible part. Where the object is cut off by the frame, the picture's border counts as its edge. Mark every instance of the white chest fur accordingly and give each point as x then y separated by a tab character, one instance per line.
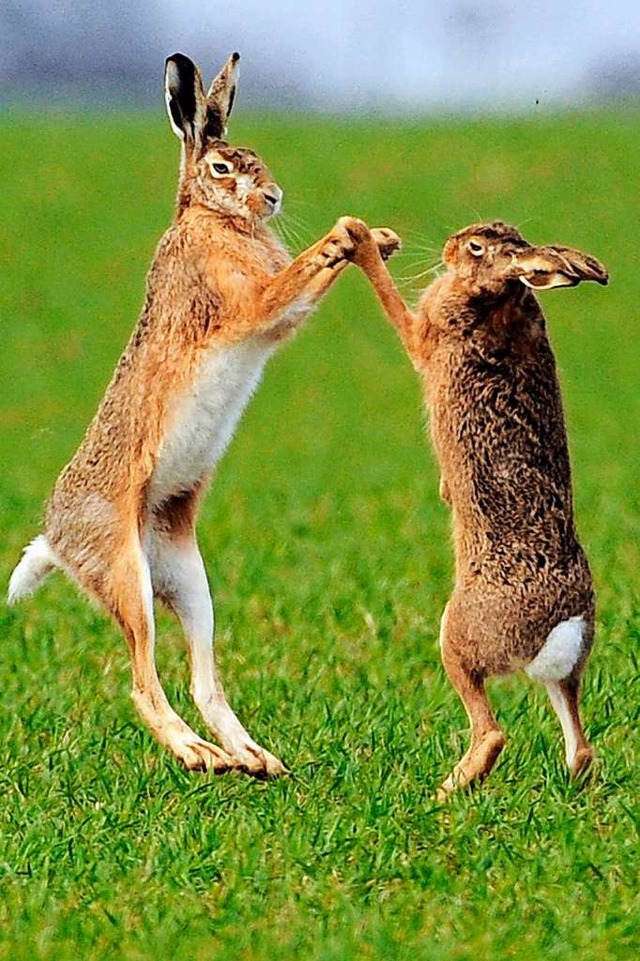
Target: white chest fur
203	420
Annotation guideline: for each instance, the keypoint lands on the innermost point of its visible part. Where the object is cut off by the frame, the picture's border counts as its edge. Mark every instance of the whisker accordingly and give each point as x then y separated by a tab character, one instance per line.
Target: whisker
413	263
417	279
296	228
407	285
421	245
423	267
287	231
301	224
523	223
418	274
421	241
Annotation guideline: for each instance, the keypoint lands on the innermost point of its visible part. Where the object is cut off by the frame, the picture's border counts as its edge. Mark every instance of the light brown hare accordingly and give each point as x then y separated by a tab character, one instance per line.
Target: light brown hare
222	292
523	596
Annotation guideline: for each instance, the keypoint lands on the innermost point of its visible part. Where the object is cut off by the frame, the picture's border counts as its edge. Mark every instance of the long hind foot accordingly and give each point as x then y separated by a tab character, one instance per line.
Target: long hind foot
257	761
198	755
487	739
582	761
564	697
238	744
193	752
180	579
475	765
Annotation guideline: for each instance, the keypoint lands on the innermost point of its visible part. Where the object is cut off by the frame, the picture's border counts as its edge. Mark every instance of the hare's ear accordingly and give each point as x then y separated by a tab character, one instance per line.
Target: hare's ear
220	99
184	94
545	267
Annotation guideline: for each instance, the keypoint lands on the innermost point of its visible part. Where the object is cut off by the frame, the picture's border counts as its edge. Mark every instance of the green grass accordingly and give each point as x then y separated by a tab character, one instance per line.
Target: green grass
329	556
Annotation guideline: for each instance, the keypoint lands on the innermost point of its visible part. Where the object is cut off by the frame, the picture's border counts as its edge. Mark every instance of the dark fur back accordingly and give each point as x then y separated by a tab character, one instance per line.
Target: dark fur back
498	428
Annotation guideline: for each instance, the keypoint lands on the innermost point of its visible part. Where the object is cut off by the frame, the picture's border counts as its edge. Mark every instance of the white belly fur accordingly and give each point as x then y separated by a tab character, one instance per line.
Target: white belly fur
560	652
203	420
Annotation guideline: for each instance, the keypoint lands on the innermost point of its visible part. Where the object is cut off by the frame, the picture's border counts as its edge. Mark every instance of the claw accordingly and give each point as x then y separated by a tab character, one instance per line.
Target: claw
203	756
259	763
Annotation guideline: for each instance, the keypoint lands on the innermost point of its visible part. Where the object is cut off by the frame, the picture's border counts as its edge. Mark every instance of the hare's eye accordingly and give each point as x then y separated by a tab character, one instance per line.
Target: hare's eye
221	169
475	248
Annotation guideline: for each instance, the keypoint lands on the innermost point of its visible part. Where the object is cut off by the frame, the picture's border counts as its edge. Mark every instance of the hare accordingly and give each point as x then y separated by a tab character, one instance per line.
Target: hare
222	293
523	596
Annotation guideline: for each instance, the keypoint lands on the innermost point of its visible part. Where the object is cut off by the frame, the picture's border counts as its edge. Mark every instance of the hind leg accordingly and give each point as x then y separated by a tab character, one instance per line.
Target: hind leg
128	594
564	697
487	739
179	577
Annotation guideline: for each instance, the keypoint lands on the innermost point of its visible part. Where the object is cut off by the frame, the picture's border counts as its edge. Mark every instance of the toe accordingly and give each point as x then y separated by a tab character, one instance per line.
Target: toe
259	763
582	762
203	756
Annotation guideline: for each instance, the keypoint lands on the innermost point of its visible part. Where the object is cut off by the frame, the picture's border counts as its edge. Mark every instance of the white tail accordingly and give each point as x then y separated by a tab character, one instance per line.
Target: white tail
37	561
222	292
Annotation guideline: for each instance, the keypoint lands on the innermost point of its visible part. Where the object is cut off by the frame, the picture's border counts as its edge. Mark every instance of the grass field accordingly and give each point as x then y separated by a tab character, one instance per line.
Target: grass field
329	557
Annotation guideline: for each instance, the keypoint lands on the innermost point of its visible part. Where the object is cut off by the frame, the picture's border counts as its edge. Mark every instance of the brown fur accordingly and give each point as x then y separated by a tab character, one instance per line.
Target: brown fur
479	341
220	281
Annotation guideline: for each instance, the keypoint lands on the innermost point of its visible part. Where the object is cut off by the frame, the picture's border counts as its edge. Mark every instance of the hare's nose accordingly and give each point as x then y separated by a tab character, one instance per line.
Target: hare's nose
273	195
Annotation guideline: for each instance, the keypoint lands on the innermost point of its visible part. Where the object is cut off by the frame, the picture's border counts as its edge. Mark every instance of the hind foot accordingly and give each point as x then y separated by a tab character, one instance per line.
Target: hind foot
245	753
198	755
582	761
254	760
475	765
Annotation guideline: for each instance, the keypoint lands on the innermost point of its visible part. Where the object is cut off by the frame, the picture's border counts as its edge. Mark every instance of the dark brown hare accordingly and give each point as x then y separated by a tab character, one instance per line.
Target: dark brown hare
523	596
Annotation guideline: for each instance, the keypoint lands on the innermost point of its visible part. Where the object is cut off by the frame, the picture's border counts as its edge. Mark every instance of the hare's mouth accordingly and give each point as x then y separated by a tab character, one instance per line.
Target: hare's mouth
273	206
273	201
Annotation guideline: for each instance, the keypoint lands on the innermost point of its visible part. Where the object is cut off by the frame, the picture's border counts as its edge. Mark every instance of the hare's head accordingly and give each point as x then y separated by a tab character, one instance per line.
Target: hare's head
232	180
490	258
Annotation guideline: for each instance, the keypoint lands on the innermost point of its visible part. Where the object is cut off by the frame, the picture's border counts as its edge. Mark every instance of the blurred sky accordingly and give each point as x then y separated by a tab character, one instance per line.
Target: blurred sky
334	54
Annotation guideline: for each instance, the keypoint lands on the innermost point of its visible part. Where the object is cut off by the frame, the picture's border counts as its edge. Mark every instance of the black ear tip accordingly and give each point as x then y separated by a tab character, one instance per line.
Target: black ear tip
235	57
180	60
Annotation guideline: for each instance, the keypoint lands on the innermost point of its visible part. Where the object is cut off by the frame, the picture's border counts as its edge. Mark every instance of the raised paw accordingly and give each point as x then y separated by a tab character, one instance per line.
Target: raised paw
386	240
343	240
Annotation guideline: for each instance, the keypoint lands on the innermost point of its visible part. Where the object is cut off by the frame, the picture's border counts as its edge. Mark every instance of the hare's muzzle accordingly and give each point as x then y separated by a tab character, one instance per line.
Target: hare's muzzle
273	198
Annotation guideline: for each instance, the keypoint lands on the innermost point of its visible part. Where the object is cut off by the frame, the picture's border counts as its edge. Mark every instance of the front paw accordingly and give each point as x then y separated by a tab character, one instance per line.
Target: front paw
386	240
342	242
